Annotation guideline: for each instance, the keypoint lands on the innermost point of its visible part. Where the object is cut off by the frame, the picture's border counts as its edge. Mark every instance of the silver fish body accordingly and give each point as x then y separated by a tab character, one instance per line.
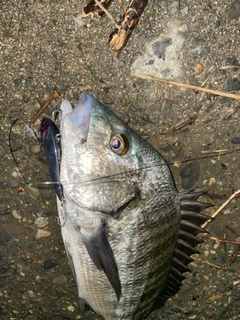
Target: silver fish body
127	229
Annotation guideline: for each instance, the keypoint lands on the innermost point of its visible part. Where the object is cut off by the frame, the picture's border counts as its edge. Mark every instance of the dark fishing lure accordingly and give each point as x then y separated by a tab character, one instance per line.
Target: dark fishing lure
52	147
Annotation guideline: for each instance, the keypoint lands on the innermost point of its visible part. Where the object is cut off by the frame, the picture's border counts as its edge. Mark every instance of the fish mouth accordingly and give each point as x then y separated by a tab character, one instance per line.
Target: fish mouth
120	210
81	117
114	213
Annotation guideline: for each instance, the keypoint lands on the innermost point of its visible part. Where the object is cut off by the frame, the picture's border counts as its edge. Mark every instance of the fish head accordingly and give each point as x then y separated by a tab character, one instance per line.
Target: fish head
105	164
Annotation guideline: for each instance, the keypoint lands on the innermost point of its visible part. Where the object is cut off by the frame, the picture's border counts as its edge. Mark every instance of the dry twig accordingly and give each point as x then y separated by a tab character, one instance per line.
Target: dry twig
225	240
189	122
189	86
32	258
54	95
214	151
212	264
220	68
221	208
107	13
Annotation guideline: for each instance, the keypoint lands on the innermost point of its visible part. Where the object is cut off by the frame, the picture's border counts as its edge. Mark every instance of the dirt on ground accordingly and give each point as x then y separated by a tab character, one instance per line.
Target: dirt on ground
46	46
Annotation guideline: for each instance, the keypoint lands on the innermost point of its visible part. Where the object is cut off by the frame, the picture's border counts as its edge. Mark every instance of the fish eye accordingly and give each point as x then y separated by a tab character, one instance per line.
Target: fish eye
119	143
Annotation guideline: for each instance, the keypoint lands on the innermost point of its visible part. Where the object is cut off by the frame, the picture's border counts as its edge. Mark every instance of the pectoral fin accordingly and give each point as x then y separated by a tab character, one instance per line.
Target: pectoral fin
102	256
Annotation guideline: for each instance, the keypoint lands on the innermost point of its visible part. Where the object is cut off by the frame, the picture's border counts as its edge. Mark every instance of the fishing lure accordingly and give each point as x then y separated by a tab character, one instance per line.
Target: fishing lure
51	143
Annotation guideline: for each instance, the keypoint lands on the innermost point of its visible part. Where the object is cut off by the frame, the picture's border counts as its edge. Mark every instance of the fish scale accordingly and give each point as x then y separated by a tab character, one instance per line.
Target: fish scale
128	233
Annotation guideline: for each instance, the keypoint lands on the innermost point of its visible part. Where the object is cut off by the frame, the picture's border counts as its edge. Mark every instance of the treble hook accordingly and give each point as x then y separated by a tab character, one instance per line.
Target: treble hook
57	114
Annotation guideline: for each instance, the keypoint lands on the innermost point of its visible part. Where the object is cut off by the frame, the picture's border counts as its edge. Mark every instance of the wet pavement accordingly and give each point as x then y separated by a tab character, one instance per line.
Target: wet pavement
47	46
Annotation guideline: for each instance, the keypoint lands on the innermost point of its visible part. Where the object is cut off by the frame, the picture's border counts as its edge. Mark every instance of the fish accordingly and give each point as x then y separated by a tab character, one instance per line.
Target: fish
129	234
52	147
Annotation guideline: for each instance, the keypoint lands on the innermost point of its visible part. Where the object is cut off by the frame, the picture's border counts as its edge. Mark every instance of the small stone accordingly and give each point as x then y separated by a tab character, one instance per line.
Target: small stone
49	263
61	86
30	83
234	10
218	23
167	107
183	28
184	11
233	62
166	147
16	103
31	293
5	211
223	258
227	211
235	140
159	47
211	181
17	82
38	89
165	73
232	85
3	281
35	149
33	192
5	237
16	215
190	174
3	185
41	222
150	62
122	115
71	308
25	98
13	183
199	68
174	7
4	268
145	117
42	234
216	297
79	23
197	51
16	146
229	113
60	279
47	194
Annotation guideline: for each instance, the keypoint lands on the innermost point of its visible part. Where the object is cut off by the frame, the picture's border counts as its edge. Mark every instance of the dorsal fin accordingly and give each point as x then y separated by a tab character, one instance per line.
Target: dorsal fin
190	226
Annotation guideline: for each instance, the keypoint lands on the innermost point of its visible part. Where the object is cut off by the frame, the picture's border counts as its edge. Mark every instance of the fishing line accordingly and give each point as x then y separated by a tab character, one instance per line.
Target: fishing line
32	133
56	114
133	171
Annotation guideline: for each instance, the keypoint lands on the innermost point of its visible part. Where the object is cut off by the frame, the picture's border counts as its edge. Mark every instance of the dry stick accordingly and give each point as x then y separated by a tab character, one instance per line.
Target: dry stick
225	240
54	95
234	256
220	208
214	151
211	264
33	259
188	86
220	68
107	13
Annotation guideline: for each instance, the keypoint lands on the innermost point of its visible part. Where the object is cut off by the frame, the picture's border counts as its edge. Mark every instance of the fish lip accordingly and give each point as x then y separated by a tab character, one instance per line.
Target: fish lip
81	116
